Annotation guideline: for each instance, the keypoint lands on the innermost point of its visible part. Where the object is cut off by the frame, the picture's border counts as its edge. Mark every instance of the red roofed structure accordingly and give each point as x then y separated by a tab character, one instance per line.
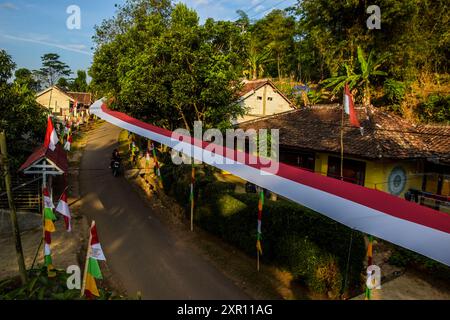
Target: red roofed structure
54	162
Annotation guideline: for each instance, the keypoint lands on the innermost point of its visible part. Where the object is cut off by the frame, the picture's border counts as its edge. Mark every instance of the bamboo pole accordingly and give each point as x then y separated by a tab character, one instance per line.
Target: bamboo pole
12	210
192	194
86	264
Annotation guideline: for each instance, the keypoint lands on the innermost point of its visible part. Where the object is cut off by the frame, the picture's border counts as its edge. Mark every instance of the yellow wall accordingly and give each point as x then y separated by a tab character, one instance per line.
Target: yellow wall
377	172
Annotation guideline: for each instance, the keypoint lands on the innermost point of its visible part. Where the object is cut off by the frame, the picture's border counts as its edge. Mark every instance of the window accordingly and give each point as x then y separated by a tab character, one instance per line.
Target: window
258	98
304	160
354	170
269	98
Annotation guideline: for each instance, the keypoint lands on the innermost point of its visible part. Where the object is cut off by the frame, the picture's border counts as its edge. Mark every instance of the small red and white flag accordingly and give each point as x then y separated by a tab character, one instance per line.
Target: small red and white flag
68	143
349	107
63	208
51	138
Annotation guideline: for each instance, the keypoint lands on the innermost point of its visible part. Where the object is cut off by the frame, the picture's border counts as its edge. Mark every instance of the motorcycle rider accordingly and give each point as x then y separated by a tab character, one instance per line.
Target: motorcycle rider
115	157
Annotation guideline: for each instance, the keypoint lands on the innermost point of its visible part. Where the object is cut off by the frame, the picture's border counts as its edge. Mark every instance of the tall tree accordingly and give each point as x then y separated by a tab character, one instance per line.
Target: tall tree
79	84
276	32
53	69
20	115
25	77
172	70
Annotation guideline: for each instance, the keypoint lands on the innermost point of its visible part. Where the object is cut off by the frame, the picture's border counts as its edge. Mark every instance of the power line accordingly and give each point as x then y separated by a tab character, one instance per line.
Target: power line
263	12
252	7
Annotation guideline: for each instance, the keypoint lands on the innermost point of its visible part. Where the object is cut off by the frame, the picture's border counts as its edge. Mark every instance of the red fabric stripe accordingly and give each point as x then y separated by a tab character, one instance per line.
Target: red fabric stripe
48	133
47	237
67	222
370	198
94	239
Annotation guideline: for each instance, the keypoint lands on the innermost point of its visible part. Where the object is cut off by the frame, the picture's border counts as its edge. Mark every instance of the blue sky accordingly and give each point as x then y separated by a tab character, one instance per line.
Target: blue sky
31	28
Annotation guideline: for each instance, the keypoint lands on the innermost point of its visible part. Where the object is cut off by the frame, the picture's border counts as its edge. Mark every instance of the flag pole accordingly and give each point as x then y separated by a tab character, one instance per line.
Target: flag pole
192	194
86	264
257	260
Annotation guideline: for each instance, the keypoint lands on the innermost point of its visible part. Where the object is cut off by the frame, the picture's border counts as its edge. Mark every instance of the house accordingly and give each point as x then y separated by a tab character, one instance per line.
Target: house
390	154
262	98
61	102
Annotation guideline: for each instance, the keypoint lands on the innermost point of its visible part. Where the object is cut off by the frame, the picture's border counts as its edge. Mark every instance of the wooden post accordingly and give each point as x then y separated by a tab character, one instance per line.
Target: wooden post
12	210
192	194
86	264
257	260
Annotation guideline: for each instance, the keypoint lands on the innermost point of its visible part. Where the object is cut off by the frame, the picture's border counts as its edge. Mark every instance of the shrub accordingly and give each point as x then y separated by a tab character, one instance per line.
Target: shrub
319	246
315	267
403	258
435	109
233	217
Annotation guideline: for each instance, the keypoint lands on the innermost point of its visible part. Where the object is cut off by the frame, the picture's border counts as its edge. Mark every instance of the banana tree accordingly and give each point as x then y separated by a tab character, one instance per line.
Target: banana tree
362	78
256	62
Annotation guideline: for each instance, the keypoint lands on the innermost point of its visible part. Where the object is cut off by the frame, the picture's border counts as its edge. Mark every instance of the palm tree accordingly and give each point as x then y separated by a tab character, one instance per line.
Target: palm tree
256	62
362	78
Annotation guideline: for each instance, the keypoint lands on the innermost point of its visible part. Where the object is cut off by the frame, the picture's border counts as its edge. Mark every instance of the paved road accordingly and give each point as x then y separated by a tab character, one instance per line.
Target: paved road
141	251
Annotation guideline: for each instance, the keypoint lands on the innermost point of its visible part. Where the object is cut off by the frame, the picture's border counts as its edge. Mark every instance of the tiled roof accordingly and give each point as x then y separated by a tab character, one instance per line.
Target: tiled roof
385	136
81	97
253	85
58	157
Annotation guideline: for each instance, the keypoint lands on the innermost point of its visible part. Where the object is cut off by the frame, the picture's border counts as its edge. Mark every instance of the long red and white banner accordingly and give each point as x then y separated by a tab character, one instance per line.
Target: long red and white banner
374	212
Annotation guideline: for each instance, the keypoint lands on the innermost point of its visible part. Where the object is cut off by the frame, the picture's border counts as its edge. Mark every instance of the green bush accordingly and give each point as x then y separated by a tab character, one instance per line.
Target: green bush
403	258
233	217
305	242
435	109
394	93
314	266
41	287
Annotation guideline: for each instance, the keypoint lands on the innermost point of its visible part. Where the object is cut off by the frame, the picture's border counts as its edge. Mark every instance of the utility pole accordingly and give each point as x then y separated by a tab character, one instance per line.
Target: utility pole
12	209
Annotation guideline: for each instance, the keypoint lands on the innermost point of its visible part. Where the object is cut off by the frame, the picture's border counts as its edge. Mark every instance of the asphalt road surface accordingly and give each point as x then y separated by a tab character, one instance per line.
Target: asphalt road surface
140	250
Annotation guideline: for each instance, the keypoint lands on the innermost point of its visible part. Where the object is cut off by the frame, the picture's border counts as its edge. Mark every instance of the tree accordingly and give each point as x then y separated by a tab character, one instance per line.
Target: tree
79	84
172	71
25	77
362	77
256	62
52	69
20	115
275	32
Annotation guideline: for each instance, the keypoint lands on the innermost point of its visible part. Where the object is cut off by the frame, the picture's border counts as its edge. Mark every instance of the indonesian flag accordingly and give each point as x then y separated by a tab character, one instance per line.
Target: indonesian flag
63	208
49	227
349	107
93	269
68	143
67	127
51	138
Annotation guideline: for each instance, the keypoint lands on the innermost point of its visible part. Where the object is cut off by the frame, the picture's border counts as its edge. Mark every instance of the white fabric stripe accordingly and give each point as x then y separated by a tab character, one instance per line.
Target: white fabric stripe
424	240
53	140
63	208
47	250
97	252
346	104
48	203
259	226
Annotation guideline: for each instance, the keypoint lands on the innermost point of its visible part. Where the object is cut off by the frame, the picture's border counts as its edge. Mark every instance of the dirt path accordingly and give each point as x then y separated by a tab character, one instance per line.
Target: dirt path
142	252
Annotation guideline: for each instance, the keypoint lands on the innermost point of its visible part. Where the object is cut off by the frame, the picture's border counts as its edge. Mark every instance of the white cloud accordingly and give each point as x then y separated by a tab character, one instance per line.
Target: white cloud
79	48
8	6
259	9
201	3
